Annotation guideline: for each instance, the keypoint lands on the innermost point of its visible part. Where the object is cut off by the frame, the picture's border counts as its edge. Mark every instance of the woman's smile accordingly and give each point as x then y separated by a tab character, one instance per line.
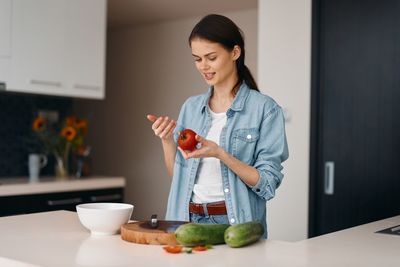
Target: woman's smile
209	75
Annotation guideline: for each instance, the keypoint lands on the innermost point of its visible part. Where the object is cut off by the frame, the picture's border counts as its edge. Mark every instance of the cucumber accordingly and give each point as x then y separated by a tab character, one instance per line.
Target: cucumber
198	234
243	234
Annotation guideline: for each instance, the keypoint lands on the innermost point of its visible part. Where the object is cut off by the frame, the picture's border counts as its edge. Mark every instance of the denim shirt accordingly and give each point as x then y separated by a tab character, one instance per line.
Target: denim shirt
255	134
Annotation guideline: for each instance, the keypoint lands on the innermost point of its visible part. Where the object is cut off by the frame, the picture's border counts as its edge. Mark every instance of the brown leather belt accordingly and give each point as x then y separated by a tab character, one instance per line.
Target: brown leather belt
216	208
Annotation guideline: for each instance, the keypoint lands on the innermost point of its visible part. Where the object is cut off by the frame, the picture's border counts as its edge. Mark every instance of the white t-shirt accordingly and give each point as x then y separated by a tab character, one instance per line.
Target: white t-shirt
208	186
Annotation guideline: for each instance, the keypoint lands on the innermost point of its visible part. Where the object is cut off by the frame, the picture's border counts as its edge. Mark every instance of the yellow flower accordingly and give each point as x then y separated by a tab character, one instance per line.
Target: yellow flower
69	133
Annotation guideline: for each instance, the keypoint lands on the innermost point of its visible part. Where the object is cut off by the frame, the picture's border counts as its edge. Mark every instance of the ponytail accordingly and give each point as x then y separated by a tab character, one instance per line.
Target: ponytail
244	73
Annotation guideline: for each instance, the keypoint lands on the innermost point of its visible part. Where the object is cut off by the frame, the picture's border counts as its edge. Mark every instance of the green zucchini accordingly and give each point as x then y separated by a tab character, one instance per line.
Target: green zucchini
199	234
243	234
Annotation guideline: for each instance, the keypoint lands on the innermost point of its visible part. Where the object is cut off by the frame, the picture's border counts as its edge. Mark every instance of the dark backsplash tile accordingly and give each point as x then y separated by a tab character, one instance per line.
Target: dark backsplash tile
16	115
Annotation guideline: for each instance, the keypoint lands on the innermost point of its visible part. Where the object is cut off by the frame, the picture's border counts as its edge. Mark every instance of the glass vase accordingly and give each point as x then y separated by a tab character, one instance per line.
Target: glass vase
61	168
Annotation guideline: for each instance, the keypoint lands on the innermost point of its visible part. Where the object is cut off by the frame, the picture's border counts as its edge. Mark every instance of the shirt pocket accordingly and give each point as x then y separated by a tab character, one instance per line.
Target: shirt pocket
244	144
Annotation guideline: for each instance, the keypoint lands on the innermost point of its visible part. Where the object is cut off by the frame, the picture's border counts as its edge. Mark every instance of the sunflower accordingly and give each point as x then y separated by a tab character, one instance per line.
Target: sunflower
38	124
69	133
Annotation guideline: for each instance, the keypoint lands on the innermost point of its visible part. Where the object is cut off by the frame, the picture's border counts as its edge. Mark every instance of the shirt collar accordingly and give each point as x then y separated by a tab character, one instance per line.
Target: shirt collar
238	102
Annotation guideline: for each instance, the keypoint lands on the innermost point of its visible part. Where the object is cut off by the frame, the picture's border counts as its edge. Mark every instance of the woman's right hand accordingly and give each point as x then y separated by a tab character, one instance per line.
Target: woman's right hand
163	127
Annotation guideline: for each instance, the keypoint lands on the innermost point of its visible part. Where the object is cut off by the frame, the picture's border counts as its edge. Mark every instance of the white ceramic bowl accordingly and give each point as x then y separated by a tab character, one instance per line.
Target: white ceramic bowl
104	218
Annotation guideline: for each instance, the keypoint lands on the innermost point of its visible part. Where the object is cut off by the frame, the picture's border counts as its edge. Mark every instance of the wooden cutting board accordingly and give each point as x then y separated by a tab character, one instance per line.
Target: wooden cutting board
141	232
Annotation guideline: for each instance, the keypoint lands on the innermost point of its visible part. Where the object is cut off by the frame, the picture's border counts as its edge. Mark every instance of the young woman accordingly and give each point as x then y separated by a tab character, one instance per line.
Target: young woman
237	166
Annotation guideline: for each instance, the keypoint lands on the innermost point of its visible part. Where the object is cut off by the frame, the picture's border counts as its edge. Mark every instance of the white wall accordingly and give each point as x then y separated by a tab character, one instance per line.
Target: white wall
284	72
149	70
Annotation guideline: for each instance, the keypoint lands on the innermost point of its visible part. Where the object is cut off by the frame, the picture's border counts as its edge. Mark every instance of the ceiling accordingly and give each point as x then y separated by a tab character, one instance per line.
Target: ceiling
122	13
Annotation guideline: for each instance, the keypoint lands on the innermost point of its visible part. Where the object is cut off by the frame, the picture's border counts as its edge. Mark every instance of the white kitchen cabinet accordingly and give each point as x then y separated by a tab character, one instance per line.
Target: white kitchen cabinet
5	39
86	34
39	47
58	47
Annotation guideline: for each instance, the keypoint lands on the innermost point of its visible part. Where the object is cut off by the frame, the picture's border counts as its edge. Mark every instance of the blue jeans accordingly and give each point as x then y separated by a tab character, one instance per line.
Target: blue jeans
212	219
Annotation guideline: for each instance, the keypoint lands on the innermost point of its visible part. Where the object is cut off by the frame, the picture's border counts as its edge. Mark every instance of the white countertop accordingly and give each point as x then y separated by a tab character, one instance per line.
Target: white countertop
58	239
22	186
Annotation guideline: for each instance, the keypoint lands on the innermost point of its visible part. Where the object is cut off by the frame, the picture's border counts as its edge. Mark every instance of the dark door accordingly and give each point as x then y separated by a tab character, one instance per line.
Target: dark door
355	146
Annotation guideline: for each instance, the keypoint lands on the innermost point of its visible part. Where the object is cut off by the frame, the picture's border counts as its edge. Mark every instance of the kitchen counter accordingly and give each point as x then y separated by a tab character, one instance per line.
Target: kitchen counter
356	246
58	239
22	186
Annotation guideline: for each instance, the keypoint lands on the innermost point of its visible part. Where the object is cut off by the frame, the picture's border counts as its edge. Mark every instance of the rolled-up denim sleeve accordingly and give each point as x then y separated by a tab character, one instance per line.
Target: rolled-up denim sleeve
271	150
179	123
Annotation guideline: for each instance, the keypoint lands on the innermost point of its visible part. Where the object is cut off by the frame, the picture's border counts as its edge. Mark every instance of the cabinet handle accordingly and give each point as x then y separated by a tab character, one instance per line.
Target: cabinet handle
47	83
106	197
87	87
329	178
64	201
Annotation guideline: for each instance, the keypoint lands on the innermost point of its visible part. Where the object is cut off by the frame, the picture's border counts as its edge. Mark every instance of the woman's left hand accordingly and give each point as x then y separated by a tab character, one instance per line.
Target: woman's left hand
207	149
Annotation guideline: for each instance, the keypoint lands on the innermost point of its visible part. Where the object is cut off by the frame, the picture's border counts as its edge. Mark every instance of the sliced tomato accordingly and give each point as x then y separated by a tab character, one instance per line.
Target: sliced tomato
173	249
199	248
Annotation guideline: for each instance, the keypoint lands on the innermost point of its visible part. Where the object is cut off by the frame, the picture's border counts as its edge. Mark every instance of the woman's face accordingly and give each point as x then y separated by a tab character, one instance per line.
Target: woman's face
216	64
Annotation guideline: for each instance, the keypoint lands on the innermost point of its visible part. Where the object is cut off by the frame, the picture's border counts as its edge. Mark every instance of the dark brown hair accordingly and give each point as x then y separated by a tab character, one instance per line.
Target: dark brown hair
220	29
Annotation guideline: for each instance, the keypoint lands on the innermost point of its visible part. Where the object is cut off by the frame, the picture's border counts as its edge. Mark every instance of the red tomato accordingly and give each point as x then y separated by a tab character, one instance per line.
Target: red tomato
173	249
199	248
187	140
